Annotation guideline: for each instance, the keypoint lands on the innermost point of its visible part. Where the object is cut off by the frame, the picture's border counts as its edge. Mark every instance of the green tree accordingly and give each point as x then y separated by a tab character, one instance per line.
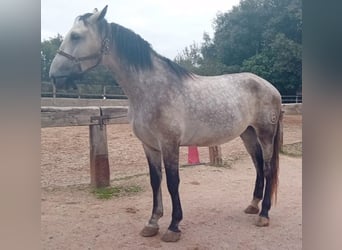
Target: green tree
280	63
261	36
199	60
238	33
190	58
48	52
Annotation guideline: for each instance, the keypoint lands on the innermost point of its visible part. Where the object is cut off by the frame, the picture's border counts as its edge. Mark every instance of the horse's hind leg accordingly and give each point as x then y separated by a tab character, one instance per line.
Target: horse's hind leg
266	135
154	162
253	147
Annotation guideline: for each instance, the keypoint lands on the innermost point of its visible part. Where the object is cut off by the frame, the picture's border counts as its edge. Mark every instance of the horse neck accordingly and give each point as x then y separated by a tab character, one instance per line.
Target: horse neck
138	84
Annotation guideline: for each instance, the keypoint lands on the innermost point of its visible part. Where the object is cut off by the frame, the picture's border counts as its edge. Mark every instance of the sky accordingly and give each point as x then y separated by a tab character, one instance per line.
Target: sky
168	25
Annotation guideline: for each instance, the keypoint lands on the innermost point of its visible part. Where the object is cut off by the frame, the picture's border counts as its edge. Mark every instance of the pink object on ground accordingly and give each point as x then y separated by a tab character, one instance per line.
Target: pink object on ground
193	156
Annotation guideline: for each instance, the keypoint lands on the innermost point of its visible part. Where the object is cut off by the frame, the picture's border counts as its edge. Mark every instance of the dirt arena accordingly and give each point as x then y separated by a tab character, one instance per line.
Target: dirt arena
213	198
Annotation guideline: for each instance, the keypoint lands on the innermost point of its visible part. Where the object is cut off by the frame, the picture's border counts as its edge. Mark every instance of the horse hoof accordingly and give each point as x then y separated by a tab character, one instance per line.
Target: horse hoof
251	210
171	236
262	222
149	231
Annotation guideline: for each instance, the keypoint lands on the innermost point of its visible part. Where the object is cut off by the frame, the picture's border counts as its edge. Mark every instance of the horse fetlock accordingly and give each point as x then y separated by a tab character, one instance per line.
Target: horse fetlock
255	202
158	214
171	236
155	218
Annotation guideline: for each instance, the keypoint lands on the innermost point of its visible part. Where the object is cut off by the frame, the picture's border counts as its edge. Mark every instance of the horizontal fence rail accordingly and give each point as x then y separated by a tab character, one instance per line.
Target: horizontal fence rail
102	91
82	95
285	98
82	116
82	90
291	99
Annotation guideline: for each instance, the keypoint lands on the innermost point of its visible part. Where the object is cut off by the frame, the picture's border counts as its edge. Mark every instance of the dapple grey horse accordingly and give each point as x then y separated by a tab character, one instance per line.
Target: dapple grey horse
170	107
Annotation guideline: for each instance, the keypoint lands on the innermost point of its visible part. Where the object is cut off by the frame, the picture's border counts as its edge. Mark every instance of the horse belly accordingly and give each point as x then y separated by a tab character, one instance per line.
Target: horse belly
204	135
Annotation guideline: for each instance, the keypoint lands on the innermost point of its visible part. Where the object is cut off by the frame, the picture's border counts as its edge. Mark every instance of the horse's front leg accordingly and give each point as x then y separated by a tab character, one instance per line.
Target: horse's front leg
154	162
171	161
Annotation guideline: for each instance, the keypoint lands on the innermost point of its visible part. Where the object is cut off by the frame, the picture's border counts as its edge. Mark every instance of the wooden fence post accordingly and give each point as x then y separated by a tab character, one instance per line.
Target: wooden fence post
99	164
215	155
53	91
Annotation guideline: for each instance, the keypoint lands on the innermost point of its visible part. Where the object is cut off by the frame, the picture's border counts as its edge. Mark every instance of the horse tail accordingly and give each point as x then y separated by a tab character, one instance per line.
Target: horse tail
277	144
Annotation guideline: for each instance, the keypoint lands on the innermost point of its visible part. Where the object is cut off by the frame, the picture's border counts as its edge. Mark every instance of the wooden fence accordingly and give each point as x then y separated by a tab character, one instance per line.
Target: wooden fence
97	118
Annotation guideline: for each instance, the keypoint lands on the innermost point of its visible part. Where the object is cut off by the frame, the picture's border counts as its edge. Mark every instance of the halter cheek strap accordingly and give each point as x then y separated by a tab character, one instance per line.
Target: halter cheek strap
77	60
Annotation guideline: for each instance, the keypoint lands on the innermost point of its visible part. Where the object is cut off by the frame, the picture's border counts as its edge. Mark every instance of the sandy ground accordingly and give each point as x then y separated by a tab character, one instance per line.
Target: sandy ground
213	198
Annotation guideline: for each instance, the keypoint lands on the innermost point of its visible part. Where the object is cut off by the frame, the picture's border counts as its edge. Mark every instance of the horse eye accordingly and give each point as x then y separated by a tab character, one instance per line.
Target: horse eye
75	36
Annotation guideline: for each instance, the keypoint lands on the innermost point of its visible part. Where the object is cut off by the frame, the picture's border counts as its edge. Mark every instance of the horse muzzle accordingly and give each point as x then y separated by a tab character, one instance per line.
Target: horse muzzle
63	72
65	82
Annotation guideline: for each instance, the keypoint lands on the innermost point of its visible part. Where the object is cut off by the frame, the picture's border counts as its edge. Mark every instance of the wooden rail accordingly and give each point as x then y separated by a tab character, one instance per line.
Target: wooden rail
82	116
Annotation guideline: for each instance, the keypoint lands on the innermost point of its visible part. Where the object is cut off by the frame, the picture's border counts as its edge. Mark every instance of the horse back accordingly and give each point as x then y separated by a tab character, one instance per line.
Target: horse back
218	109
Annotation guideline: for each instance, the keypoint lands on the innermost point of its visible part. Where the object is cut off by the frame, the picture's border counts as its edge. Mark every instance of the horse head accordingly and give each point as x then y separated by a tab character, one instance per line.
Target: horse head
82	48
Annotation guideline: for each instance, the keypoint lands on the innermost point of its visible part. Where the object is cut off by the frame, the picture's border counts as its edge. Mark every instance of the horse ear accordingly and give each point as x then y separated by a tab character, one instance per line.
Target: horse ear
97	16
103	13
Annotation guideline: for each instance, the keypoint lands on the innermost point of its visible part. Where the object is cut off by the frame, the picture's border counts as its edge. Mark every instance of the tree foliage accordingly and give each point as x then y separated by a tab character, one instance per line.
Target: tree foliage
48	52
260	36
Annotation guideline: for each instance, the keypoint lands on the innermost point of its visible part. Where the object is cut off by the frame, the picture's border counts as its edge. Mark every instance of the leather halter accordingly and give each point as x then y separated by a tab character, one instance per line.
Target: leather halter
98	55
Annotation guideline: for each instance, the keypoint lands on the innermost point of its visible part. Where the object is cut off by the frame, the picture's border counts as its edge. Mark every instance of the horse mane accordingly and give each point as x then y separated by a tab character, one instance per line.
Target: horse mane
131	48
135	51
84	17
